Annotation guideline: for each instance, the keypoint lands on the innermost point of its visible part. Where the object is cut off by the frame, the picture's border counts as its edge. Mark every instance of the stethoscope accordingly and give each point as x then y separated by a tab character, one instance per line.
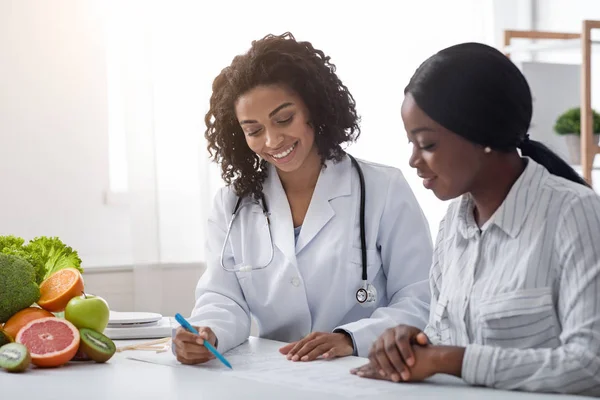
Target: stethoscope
365	295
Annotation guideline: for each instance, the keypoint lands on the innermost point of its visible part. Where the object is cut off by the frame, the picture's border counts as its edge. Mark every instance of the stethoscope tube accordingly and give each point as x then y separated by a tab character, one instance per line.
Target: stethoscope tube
247	268
367	292
363	235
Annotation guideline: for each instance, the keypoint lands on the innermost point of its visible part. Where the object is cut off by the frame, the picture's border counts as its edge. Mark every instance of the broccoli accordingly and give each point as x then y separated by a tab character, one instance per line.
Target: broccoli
34	260
13	245
18	288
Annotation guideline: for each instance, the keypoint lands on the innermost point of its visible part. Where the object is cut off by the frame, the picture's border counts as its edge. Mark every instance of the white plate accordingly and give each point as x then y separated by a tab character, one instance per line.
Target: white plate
160	329
127	318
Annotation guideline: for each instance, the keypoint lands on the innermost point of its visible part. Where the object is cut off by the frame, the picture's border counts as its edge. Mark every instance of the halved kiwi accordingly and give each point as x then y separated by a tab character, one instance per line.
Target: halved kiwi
14	357
96	345
80	355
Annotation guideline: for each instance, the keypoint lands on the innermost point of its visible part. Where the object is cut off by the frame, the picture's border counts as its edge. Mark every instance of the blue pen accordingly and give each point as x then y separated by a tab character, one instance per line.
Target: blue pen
209	346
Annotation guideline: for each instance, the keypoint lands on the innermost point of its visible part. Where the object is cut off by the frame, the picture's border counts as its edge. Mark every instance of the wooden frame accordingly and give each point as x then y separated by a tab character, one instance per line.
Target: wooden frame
589	149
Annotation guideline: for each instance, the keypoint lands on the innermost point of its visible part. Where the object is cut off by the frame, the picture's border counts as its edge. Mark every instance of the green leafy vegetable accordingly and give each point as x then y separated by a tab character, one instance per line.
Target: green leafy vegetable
11	241
47	255
54	253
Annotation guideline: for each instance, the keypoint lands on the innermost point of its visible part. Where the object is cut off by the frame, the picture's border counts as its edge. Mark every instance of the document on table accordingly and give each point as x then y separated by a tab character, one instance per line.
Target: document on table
323	376
319	375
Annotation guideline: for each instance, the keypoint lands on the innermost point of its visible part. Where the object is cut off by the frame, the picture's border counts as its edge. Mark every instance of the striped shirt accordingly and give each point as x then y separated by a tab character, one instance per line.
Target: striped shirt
522	293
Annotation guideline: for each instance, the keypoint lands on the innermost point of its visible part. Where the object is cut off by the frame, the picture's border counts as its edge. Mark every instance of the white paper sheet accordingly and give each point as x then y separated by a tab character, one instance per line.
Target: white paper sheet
323	376
319	375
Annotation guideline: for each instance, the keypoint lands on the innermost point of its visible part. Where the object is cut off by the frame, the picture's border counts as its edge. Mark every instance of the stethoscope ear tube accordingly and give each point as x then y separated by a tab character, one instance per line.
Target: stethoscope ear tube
367	293
246	267
363	234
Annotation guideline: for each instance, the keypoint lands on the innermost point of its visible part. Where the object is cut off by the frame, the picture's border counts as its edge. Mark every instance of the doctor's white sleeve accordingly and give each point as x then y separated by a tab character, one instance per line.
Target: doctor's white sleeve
220	303
405	243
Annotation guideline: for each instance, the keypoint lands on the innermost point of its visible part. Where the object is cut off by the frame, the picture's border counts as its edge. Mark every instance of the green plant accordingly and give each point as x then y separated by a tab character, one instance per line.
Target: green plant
569	122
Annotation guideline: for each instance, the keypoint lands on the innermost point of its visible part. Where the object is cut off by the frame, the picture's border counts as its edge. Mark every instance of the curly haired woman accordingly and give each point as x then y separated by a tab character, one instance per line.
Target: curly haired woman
292	256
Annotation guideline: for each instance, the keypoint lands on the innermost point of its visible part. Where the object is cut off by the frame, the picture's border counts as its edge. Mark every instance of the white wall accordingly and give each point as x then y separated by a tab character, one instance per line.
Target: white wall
510	14
551	97
168	290
567	16
53	129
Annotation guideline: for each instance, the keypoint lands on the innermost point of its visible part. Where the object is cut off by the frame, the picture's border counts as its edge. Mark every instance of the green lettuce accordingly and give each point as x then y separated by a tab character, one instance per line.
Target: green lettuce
47	255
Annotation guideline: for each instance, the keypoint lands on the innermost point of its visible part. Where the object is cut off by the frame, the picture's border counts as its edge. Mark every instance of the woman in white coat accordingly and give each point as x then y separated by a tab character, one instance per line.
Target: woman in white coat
278	117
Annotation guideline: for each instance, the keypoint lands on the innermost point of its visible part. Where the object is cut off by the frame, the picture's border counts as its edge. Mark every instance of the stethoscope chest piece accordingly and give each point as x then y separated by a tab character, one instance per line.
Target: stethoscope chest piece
366	295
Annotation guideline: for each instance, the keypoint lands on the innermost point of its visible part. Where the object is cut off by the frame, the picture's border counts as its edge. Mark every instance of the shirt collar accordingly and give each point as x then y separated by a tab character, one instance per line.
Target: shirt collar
513	211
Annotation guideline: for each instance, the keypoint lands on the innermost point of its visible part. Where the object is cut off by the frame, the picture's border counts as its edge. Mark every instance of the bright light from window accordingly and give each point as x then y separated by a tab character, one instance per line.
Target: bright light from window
375	45
117	146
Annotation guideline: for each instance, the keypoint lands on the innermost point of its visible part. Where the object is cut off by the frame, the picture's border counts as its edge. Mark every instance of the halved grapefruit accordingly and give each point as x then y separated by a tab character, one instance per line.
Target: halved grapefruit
23	317
59	288
51	341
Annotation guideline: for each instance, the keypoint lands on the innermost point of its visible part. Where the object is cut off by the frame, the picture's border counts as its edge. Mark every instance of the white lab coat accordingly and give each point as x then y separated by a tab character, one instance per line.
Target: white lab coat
311	285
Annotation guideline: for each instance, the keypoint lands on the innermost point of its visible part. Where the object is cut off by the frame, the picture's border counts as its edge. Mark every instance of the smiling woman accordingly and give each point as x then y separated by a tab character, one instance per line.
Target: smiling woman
515	271
277	126
335	269
279	82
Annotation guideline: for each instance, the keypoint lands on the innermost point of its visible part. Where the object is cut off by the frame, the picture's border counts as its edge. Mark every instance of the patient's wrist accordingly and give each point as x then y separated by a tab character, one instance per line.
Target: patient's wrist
450	359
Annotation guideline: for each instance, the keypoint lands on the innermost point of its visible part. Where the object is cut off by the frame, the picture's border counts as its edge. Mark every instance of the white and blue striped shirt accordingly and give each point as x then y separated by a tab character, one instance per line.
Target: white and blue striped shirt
523	293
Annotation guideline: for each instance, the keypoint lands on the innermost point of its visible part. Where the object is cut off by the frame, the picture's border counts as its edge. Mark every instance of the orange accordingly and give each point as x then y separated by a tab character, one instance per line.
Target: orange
22	318
51	341
59	288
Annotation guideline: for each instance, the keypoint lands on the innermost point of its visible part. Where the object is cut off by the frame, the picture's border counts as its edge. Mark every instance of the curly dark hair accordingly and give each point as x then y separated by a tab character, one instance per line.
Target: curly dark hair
302	68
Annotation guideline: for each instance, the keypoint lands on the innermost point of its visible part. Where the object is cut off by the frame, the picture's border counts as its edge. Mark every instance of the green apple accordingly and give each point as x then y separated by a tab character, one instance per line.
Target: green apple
88	311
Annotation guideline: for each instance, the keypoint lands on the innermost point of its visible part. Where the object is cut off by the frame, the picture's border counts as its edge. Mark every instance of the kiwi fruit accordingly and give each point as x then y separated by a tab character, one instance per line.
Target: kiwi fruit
80	355
5	338
14	357
96	345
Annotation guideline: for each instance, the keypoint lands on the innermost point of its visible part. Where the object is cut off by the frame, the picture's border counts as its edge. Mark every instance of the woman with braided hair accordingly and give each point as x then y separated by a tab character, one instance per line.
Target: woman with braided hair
323	250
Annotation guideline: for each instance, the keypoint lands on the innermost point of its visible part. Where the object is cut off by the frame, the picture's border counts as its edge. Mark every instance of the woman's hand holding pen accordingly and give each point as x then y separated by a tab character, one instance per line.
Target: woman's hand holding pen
189	348
328	345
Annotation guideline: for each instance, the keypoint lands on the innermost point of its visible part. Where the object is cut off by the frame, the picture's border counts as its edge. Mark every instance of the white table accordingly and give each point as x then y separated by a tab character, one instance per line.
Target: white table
123	378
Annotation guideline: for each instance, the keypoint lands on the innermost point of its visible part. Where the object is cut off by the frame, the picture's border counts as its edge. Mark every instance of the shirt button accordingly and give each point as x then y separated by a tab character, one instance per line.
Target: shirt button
295	281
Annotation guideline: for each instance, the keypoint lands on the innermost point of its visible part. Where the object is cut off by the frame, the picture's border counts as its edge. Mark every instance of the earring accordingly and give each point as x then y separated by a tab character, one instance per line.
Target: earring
487	150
